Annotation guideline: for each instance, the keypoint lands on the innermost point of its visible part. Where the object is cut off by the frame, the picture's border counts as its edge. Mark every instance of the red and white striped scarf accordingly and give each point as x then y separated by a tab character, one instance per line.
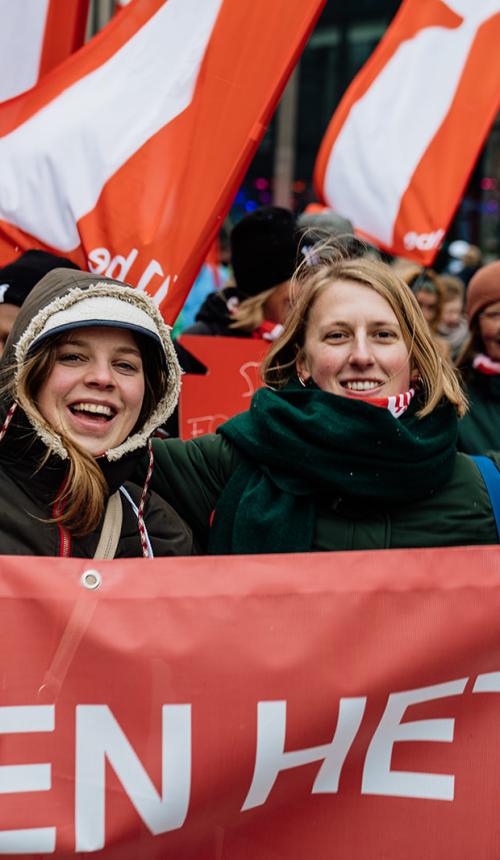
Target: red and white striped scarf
397	404
267	331
486	365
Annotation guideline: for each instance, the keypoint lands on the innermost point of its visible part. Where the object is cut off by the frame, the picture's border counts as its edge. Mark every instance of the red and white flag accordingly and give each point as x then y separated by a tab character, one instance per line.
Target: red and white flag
404	139
35	36
127	156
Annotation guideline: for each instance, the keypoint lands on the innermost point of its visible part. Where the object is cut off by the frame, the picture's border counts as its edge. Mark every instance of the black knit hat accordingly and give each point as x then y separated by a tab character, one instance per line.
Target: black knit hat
264	248
17	279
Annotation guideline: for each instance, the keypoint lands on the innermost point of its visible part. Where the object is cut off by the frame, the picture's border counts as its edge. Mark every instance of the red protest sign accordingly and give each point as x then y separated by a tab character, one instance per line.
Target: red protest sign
252	707
232	377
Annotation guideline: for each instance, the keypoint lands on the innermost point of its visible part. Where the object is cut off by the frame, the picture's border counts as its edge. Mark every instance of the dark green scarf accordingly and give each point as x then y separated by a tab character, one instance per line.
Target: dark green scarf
301	443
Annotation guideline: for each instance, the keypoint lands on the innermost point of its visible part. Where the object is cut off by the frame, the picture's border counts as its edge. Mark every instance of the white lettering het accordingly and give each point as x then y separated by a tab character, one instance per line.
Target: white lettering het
378	778
100	262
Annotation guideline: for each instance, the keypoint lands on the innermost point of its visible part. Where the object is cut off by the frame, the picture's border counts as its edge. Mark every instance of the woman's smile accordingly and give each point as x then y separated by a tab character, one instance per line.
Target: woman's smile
361	385
92	417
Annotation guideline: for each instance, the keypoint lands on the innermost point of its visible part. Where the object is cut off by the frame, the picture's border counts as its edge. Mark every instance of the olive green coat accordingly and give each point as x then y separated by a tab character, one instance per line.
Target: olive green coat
191	475
479	430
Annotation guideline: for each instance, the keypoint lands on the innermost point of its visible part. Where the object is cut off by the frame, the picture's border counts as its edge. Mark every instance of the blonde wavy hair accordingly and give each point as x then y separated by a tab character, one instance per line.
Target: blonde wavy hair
249	314
85	491
438	379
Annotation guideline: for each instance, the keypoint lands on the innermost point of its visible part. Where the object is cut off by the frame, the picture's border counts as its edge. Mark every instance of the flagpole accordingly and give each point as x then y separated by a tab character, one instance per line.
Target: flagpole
286	131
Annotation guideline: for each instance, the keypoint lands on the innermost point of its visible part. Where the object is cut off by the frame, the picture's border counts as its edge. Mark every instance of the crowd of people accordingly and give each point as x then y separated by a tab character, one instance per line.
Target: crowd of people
378	424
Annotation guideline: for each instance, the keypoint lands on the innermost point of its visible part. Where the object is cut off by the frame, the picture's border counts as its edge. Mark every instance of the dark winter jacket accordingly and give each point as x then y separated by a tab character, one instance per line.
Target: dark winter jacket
33	461
479	430
214	316
193	474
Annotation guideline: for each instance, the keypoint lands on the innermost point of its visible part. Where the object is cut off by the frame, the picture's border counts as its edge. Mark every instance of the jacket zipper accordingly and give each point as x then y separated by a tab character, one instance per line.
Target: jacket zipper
64	535
64	542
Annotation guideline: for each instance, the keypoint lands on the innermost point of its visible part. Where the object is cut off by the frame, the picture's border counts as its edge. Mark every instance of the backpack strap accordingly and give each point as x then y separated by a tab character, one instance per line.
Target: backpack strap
491	477
111	528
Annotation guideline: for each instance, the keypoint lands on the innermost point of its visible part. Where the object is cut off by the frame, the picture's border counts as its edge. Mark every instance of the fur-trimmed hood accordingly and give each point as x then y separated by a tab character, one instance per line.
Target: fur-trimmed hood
60	291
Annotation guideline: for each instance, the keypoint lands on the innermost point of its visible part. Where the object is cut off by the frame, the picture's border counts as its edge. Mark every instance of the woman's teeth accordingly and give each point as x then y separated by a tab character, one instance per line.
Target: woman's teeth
361	385
95	408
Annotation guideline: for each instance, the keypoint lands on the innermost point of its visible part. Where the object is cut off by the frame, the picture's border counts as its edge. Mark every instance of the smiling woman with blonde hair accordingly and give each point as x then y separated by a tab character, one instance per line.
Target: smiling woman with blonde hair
435	378
351	444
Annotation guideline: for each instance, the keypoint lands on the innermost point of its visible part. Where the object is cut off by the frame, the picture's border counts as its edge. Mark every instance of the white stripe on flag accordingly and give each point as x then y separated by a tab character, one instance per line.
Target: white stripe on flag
389	129
22	27
67	151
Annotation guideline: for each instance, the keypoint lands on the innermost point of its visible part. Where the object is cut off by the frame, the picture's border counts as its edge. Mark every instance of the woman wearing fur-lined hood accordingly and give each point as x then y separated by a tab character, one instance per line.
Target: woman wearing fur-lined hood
88	374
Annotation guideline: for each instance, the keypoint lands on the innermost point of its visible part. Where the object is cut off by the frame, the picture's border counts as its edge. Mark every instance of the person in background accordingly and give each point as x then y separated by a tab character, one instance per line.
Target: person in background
426	286
453	327
264	247
351	444
88	373
320	225
479	362
463	260
264	250
213	276
18	278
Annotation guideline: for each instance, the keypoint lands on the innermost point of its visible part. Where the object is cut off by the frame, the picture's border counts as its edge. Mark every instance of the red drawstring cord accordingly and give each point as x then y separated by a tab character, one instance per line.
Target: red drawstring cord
8	419
140	513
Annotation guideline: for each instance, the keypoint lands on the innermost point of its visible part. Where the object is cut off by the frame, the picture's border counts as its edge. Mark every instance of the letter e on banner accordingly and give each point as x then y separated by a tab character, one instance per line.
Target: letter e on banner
378	778
487	683
26	777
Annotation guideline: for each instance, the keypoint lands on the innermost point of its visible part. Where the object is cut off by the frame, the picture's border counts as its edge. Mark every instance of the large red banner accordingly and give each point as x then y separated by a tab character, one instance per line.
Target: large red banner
335	705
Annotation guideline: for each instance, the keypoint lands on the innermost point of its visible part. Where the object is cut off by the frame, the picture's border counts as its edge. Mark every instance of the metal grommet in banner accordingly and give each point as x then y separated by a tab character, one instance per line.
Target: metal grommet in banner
91	579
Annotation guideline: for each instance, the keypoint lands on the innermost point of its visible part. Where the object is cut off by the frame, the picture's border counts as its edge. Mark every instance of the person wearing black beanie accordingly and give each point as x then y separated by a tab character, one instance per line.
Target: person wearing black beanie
264	256
18	278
